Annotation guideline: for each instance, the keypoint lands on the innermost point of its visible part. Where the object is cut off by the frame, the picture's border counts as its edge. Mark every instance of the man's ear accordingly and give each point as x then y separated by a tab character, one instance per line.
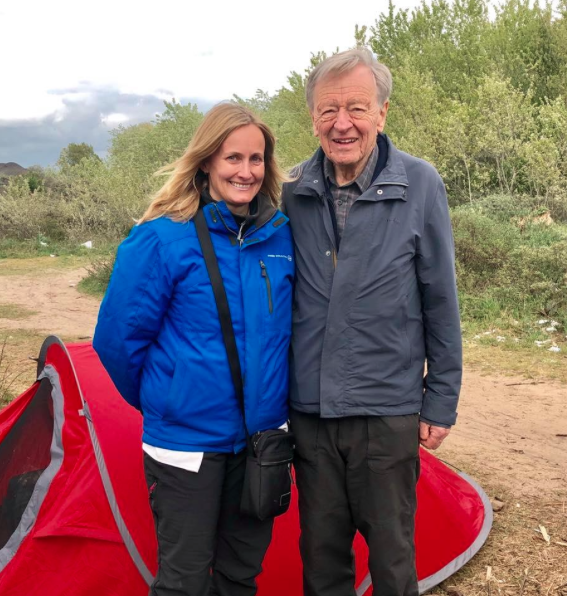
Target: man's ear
382	119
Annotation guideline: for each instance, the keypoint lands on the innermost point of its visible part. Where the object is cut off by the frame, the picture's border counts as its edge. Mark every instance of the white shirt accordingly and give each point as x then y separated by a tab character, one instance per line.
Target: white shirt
186	460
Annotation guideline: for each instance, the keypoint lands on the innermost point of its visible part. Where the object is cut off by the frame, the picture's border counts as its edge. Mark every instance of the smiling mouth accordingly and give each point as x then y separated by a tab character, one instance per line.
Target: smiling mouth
241	186
344	141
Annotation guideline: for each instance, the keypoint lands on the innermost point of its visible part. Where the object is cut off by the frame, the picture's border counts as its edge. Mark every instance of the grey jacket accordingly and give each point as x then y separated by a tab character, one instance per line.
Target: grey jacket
367	318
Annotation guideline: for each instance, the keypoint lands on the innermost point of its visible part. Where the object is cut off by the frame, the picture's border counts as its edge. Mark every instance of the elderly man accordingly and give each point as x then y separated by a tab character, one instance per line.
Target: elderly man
375	299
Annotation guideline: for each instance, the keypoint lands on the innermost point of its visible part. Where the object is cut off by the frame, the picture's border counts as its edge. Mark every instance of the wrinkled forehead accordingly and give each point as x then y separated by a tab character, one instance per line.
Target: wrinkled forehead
346	89
344	96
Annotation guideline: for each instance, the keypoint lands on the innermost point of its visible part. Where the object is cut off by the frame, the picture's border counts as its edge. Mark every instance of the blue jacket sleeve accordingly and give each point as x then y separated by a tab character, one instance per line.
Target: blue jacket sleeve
133	308
440	309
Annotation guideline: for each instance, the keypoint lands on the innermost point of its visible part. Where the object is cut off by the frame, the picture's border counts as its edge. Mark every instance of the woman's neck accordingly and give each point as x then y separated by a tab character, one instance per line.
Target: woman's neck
240	210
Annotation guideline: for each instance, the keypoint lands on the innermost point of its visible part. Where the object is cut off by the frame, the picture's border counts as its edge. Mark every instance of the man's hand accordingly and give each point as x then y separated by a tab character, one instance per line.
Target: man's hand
432	436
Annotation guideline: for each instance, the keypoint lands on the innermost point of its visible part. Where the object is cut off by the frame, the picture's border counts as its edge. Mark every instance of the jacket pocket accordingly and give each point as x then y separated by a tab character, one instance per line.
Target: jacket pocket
268	283
177	390
406	342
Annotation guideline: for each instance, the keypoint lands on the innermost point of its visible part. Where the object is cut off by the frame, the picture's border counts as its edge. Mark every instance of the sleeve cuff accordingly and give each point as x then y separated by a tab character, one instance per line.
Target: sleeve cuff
433	423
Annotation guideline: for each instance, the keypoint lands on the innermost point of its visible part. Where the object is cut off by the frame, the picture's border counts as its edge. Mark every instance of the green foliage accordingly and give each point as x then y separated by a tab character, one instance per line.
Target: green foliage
142	149
74	153
484	99
524	43
480	91
98	276
35	177
510	265
482	247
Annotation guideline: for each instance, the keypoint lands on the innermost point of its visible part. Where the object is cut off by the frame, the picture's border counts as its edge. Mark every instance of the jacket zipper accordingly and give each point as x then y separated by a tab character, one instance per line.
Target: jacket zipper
268	285
240	237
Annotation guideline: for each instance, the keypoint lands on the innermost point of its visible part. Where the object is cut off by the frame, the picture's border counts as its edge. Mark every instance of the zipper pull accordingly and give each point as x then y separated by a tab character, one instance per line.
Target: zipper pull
239	237
263	266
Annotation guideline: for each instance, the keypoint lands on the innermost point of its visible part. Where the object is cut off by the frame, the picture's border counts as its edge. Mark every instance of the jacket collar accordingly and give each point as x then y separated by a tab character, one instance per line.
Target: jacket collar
263	223
311	182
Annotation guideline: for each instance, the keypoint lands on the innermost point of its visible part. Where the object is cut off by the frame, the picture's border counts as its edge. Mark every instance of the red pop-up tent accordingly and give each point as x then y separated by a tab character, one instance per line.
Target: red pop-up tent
74	512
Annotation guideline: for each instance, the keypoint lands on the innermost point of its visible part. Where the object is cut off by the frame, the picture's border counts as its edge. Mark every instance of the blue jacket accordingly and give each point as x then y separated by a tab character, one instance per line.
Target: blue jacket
158	333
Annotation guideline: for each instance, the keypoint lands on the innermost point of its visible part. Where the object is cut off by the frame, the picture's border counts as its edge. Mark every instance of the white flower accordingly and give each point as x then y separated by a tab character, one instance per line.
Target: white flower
500	338
554	349
542	321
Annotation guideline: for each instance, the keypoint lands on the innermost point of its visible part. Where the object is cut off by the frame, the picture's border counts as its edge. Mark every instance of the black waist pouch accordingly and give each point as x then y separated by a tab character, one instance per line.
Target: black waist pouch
267	481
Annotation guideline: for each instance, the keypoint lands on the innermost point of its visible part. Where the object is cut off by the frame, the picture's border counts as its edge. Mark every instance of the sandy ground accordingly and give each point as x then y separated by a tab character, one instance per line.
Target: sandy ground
510	429
59	308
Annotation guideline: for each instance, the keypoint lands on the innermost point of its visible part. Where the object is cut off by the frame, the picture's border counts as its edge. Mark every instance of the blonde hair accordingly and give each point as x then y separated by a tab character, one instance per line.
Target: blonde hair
179	197
345	62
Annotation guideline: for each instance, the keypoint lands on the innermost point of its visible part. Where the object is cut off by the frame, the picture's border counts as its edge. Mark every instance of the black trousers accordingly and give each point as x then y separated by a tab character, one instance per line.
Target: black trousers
205	546
357	473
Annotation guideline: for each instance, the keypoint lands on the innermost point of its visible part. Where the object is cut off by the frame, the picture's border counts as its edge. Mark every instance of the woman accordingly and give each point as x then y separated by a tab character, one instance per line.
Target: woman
159	337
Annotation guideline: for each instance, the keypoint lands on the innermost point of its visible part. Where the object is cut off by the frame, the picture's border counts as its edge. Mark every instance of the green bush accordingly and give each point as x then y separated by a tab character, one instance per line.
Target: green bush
98	276
506	270
482	246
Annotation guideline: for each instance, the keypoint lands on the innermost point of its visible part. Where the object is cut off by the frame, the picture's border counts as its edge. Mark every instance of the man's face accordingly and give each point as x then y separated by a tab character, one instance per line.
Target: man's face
347	117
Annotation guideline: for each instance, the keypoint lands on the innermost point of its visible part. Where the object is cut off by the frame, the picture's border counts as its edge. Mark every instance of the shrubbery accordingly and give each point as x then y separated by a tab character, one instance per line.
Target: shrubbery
510	266
483	99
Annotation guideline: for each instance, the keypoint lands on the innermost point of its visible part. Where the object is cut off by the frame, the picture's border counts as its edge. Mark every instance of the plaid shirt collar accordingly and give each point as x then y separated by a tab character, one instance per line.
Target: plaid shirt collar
363	180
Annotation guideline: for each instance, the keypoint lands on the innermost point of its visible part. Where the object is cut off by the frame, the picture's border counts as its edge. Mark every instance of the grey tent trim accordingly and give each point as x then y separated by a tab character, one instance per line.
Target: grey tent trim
466	556
441	575
107	483
48	377
109	490
103	470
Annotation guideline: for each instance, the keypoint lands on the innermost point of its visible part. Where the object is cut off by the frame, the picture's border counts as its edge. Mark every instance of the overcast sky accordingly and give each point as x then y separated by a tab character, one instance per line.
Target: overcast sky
71	71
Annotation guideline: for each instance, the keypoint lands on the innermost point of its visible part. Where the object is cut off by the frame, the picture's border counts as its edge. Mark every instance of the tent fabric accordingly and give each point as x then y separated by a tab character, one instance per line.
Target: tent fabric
14	469
74	444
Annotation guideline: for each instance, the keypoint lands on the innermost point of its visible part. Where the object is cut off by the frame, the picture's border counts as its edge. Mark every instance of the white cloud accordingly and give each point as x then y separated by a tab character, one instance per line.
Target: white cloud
211	49
113	120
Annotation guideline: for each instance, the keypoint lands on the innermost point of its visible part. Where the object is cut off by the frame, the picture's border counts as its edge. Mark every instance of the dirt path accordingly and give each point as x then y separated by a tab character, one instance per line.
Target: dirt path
58	307
507	429
510	428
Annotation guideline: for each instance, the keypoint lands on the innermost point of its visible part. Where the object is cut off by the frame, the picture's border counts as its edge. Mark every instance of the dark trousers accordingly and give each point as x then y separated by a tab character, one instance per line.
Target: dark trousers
205	546
357	473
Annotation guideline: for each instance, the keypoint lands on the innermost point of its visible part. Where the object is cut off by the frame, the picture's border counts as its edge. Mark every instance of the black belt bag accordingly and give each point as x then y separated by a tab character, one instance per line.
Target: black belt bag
267	481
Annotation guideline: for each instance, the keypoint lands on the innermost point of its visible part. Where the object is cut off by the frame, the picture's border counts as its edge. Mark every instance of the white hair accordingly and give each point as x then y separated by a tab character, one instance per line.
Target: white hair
345	62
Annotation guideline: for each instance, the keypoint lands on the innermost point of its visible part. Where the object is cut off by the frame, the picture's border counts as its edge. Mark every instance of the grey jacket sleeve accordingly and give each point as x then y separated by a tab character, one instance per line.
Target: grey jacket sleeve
440	308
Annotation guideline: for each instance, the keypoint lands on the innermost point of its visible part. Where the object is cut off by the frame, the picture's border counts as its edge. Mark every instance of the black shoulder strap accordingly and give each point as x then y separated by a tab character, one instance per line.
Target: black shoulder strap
222	305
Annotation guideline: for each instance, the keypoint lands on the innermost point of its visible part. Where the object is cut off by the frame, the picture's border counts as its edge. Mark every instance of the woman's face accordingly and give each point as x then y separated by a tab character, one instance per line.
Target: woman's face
236	170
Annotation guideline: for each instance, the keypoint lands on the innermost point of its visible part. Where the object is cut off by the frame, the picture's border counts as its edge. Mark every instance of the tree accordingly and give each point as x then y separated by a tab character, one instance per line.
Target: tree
74	153
35	178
